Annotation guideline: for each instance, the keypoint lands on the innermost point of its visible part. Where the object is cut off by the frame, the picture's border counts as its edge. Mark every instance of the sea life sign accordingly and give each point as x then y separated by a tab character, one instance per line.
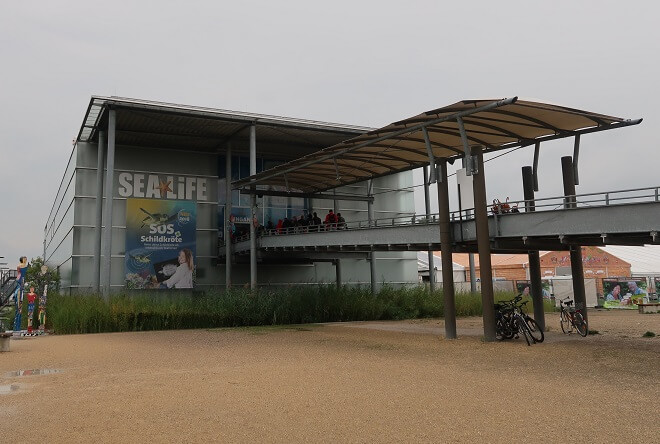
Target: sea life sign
160	243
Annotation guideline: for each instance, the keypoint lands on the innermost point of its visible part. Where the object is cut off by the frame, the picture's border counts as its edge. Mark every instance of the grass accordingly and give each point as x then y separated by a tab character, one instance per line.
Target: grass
648	334
240	307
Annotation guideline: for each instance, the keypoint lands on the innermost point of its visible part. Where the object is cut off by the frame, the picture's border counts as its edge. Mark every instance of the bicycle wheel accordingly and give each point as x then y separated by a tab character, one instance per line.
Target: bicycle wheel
534	329
522	328
580	324
565	322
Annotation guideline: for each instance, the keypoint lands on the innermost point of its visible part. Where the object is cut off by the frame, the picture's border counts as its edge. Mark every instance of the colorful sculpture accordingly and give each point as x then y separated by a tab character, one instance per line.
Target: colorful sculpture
21	270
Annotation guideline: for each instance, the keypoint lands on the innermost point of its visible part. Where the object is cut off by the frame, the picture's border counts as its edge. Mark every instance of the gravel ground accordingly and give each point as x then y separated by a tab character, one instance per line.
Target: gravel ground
352	382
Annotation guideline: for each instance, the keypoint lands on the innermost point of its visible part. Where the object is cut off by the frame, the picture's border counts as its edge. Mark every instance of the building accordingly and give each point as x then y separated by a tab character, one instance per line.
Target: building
597	264
147	180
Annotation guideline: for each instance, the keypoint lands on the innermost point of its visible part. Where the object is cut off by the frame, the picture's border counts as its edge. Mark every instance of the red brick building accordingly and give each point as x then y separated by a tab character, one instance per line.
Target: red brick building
597	264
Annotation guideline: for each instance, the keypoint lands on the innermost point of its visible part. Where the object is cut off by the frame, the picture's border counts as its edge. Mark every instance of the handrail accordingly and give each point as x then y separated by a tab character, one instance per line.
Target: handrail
609	198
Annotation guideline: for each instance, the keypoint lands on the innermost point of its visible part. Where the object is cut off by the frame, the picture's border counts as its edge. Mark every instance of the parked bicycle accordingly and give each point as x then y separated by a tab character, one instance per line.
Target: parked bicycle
571	318
511	321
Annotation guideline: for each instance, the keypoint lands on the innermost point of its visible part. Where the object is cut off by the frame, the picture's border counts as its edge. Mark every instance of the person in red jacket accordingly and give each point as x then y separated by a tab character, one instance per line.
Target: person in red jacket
31	298
330	220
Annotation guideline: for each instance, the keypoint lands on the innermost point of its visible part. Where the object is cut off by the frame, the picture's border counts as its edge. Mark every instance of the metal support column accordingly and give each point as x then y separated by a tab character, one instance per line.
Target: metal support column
96	266
577	270
427	202
483	244
227	233
445	252
338	272
534	258
109	182
372	259
253	208
473	273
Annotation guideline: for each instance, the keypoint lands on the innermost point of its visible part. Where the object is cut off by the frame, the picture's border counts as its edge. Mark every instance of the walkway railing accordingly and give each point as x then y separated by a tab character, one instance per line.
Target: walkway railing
600	199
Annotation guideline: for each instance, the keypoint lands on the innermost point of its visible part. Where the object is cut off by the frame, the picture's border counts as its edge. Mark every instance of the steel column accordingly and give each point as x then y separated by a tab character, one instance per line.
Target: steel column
338	272
473	273
253	207
227	233
534	258
372	258
577	271
483	244
427	203
96	266
445	252
109	182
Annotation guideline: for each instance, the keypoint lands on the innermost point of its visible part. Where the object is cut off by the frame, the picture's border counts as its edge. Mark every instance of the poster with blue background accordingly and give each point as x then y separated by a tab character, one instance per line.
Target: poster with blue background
160	243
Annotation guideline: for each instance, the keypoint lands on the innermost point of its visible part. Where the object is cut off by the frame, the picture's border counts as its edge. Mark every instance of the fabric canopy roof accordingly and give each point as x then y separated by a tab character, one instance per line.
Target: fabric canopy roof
402	146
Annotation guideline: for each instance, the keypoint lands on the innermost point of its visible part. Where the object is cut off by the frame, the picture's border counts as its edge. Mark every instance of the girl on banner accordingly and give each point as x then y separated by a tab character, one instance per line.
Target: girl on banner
183	276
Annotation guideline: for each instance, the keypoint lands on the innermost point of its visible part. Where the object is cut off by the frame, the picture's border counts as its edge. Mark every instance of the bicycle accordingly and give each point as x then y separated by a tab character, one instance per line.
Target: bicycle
511	321
571	318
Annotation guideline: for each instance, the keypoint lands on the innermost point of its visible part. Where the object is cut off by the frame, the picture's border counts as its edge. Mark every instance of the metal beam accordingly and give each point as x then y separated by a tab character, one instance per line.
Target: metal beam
253	208
427	204
446	252
349	197
576	153
106	276
577	271
96	266
228	209
432	178
483	242
534	259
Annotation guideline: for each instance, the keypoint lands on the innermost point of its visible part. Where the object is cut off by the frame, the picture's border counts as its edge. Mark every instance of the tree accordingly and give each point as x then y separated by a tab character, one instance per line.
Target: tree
35	278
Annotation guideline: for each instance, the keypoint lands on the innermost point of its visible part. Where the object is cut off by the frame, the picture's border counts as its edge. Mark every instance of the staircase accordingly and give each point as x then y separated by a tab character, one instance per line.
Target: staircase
8	286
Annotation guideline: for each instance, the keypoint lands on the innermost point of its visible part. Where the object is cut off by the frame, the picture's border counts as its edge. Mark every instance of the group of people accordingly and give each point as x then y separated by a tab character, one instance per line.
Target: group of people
504	207
307	223
616	295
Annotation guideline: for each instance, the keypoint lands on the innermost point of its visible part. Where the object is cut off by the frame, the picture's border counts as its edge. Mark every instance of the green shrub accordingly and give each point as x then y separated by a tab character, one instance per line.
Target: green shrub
140	311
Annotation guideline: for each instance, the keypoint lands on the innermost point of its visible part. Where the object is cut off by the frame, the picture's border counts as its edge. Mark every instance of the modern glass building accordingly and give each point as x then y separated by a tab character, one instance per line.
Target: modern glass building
147	180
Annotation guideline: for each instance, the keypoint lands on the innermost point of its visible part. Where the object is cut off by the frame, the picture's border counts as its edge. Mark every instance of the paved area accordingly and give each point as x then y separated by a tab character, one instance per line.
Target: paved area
353	382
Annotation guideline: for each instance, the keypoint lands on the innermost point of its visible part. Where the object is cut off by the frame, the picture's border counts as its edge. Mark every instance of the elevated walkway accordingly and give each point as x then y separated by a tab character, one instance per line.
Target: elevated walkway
628	217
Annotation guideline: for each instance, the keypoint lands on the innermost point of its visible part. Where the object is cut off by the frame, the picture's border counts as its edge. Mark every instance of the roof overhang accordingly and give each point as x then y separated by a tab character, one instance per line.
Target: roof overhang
172	126
442	133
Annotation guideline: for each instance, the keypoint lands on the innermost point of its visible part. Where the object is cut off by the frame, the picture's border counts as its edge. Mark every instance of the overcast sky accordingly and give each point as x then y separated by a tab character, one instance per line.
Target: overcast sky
363	63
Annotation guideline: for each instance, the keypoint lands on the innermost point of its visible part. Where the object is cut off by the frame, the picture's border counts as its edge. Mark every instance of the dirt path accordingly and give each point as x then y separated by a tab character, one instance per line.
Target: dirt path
355	382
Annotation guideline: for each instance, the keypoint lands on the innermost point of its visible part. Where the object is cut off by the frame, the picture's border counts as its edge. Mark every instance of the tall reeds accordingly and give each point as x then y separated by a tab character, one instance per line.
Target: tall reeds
241	307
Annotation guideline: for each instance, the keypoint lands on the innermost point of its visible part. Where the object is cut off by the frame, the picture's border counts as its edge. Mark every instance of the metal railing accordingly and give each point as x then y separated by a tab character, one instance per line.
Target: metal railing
570	202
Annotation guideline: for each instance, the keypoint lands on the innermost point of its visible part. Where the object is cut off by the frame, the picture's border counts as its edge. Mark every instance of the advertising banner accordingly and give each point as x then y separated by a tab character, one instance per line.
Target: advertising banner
623	293
160	243
524	288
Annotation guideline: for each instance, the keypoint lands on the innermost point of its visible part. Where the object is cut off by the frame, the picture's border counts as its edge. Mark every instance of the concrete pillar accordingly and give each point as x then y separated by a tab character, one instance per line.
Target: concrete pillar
427	203
96	266
445	251
253	207
483	244
338	272
109	187
227	233
534	258
577	271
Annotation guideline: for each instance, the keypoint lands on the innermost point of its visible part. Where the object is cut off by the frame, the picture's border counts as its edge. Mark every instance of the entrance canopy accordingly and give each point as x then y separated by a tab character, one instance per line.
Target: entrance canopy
443	133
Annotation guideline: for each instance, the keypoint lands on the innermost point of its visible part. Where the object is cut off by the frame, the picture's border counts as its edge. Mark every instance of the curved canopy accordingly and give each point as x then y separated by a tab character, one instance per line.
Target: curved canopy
435	134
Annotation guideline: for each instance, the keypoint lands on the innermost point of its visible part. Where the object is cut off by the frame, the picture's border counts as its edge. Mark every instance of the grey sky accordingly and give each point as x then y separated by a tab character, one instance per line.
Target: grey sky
364	63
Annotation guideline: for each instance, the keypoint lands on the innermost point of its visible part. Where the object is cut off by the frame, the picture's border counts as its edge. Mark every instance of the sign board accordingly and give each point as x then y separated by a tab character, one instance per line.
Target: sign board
160	243
466	189
623	293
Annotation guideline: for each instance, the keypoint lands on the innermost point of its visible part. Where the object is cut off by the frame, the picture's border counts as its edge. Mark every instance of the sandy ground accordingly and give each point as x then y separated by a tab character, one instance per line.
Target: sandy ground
353	382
